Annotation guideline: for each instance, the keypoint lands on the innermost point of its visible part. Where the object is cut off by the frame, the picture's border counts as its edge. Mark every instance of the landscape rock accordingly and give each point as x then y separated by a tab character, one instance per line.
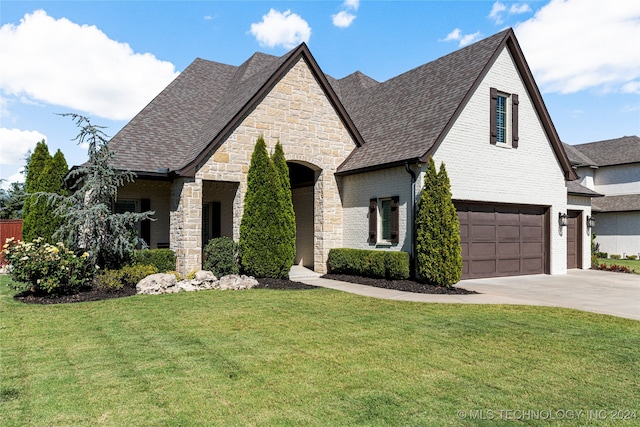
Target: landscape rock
166	283
156	284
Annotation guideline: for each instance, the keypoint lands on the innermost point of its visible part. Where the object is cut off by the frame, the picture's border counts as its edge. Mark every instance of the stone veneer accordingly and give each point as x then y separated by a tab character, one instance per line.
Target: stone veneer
297	113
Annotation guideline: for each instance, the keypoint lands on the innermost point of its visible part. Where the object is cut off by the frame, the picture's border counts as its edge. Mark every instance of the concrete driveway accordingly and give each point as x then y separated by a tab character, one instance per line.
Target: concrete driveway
603	292
597	291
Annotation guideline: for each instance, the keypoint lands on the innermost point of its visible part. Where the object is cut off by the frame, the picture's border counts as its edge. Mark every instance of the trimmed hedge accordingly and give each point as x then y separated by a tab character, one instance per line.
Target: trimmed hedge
163	259
369	263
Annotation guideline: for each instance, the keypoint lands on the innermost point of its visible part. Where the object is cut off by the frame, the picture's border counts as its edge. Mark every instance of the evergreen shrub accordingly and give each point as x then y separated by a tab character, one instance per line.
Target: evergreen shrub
221	257
163	259
369	263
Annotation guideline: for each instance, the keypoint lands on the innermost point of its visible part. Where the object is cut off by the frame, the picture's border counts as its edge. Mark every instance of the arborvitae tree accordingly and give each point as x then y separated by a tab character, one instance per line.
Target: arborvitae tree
438	252
89	223
427	228
260	246
34	207
51	180
284	211
451	268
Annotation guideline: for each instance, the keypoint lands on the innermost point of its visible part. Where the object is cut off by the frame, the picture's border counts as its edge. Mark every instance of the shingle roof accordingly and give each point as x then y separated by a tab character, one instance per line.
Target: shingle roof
402	118
623	203
398	120
612	152
576	189
577	157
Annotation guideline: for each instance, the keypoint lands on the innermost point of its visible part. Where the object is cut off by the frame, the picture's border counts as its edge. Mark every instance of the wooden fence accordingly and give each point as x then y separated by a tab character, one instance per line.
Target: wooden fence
9	228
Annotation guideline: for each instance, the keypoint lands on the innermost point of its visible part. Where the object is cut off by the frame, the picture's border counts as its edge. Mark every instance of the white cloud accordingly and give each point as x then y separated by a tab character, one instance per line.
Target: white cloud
462	39
496	12
15	143
498	9
58	62
281	29
351	4
519	8
573	45
343	19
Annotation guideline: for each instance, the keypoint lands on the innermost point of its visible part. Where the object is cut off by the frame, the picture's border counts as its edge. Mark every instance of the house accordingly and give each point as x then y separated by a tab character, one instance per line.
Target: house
612	168
357	151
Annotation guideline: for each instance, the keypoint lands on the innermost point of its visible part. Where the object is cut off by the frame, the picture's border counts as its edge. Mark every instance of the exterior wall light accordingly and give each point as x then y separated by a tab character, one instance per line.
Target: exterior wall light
562	219
591	221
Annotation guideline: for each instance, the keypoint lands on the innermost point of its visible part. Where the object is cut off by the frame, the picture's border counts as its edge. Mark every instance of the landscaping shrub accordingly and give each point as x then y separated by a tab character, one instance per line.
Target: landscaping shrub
615	256
603	255
616	268
52	269
438	251
129	276
163	259
264	245
369	263
221	257
632	257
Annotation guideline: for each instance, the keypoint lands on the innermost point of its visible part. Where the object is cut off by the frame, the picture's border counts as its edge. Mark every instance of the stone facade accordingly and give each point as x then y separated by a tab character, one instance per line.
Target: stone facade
297	113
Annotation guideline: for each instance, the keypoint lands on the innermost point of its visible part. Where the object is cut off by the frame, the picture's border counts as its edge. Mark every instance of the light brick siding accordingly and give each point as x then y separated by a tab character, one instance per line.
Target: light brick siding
583	204
159	194
298	114
483	172
359	189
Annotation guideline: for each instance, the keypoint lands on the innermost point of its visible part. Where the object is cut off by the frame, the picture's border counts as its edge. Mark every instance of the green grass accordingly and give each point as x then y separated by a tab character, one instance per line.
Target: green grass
629	263
317	357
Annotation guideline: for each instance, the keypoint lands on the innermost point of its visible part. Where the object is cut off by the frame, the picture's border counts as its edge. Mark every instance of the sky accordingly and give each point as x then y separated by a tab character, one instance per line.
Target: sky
108	59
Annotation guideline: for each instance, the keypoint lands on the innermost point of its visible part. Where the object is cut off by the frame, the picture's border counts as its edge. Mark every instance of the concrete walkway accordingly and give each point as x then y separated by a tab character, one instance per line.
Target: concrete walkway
601	292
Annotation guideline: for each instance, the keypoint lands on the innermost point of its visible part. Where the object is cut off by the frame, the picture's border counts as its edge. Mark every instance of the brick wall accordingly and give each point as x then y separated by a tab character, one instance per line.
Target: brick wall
480	171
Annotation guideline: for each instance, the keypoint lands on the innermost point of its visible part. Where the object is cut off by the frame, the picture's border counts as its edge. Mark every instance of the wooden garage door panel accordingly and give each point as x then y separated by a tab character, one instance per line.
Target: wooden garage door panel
500	240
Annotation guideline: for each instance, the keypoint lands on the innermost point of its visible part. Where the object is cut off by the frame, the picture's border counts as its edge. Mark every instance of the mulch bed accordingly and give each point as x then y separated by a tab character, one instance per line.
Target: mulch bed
91	294
399	285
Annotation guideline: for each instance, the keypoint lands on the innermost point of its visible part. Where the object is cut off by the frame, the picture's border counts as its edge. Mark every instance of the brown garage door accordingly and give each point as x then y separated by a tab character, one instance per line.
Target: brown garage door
574	241
502	240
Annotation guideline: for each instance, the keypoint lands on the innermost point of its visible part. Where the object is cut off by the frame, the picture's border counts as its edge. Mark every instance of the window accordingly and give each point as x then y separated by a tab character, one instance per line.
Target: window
384	220
210	222
142	205
504	119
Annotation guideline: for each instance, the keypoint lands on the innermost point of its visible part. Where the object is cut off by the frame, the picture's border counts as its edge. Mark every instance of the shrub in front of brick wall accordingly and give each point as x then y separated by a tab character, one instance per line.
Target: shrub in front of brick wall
369	263
163	259
438	252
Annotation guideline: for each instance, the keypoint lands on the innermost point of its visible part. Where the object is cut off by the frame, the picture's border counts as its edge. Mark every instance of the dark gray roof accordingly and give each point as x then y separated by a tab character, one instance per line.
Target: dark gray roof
398	120
623	203
577	157
611	152
402	118
576	189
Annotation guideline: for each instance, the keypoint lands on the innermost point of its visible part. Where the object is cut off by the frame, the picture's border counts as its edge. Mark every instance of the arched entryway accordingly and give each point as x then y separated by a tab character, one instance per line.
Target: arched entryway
303	179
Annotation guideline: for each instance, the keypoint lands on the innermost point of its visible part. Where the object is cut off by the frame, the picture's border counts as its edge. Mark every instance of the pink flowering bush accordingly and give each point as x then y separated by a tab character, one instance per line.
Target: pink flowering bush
47	268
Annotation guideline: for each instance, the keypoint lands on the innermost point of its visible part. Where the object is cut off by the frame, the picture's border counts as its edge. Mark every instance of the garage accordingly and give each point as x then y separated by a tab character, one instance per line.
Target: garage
503	240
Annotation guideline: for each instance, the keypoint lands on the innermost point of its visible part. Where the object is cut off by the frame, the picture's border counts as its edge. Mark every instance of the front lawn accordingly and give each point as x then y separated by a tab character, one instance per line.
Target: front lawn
313	357
629	263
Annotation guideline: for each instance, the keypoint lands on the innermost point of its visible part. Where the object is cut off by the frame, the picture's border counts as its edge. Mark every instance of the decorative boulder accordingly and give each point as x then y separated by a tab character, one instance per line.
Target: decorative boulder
155	284
205	275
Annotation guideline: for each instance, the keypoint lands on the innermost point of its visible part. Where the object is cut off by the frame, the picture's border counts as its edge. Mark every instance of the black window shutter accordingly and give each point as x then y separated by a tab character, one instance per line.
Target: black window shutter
145	226
395	219
492	115
514	120
373	220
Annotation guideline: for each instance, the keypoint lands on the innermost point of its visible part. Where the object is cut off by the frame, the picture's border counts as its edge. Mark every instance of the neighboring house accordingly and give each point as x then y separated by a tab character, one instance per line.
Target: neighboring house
612	168
357	151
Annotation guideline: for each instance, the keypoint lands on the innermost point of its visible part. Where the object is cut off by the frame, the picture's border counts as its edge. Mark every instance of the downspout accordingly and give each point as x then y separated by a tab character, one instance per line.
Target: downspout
412	250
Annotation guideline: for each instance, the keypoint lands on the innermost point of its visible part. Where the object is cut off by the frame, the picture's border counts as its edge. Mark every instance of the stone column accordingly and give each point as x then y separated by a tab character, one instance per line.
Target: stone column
186	224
